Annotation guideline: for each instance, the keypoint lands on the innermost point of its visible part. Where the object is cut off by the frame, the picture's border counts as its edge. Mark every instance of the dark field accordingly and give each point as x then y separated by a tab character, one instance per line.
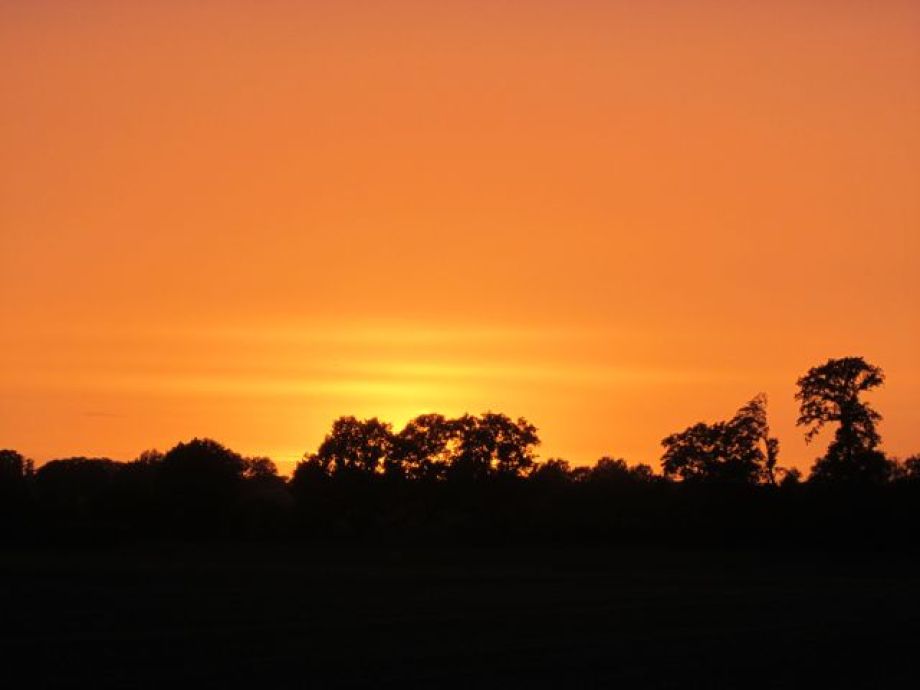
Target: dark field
297	616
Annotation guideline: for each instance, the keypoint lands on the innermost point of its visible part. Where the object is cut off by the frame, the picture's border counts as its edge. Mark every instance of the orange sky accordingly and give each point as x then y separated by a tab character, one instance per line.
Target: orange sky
243	219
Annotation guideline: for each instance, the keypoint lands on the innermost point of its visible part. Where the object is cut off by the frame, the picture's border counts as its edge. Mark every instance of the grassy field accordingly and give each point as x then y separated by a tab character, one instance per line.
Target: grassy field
297	616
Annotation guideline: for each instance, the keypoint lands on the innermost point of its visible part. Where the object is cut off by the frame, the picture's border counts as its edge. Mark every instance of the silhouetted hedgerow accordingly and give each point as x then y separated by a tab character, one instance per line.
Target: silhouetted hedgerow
478	478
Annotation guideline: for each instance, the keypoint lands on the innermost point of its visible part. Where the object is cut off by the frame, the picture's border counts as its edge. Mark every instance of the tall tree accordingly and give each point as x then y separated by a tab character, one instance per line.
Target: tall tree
751	441
739	450
830	393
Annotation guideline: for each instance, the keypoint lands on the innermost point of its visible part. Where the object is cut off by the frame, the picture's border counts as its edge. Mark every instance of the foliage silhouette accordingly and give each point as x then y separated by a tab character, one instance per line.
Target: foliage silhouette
739	451
425	447
831	393
79	486
910	469
14	468
493	445
477	477
355	446
16	476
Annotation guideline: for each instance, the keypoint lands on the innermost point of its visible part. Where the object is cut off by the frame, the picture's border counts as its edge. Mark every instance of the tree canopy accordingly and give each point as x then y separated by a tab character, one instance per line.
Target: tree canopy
739	450
831	393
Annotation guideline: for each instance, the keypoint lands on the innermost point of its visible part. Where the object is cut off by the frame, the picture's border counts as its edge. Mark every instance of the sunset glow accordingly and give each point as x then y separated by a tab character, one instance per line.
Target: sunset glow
243	219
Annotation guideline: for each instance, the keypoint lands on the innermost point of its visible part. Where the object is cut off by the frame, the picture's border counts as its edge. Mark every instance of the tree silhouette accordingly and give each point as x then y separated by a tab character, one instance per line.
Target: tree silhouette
739	450
493	444
610	469
355	447
425	447
789	477
476	477
14	468
910	468
553	472
830	393
79	487
752	444
16	473
202	464
199	486
259	468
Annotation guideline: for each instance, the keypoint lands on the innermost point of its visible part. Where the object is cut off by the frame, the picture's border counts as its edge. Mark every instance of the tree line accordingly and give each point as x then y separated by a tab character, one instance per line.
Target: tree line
478	477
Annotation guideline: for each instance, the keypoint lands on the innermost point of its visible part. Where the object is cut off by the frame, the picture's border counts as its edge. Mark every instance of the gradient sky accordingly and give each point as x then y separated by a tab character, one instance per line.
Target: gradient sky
243	219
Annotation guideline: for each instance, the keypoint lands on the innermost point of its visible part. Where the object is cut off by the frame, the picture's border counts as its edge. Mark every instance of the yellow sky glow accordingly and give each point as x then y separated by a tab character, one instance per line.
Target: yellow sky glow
242	219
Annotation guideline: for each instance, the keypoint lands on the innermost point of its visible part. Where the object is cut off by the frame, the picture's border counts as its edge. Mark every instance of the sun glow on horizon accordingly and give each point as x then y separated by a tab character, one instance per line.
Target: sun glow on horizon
243	220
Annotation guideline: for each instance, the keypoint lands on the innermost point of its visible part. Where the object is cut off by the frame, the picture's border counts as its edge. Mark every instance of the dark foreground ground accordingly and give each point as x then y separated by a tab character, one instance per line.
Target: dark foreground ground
295	616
